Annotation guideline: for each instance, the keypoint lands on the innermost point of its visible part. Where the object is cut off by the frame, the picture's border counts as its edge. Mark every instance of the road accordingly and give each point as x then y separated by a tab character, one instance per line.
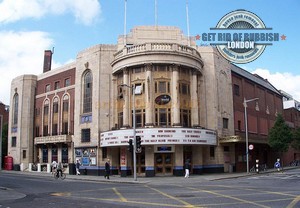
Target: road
262	190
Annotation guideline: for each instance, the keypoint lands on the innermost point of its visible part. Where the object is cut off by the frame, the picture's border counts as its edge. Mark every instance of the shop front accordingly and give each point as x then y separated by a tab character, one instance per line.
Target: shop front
164	149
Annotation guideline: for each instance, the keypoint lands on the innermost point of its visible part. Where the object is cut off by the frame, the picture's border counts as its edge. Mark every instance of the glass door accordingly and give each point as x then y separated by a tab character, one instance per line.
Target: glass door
164	164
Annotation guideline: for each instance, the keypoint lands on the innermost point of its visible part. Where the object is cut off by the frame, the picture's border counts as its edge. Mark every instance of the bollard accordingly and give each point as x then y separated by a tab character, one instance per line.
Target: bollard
257	166
48	168
22	166
39	167
30	167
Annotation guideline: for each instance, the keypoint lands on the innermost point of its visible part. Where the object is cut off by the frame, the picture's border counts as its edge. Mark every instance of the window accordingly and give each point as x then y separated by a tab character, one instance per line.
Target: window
55	107
65	128
185	118
13	141
56	85
140	118
212	152
87	93
239	125
37	131
66	106
67	82
45	154
15	109
45	130
162	87
46	109
225	123
54	153
120	119
47	88
236	89
54	129
226	148
24	154
85	135
184	89
163	117
104	152
64	153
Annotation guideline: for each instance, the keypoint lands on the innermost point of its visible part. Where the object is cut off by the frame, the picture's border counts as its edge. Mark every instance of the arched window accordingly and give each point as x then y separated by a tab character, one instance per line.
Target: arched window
87	92
15	109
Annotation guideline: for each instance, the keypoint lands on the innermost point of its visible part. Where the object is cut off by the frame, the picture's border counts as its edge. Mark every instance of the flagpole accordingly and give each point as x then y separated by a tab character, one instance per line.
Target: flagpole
155	12
187	22
125	15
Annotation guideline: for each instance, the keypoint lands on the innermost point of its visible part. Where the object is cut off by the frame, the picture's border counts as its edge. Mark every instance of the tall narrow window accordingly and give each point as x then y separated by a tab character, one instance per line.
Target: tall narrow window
46	118
15	110
87	92
55	117
65	115
225	123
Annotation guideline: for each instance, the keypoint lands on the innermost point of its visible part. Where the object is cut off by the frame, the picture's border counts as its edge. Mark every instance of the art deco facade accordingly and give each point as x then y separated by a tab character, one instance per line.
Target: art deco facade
183	103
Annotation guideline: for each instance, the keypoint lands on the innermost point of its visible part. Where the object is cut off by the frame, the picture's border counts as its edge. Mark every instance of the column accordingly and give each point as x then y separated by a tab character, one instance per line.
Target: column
197	159
149	96
175	98
126	95
149	163
194	100
178	164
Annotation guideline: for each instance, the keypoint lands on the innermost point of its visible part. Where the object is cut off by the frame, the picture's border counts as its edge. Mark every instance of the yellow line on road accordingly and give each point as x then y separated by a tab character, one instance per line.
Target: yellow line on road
123	199
172	197
231	197
294	202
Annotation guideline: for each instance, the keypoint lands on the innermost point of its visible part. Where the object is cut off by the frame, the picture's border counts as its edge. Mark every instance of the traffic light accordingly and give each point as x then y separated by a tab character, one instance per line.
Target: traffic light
130	147
138	143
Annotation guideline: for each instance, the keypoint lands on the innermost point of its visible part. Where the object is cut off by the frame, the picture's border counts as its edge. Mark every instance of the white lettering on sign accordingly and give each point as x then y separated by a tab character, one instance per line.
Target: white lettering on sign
159	136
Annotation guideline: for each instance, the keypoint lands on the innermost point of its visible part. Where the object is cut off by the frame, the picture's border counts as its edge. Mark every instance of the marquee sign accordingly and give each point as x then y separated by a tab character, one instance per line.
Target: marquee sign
160	136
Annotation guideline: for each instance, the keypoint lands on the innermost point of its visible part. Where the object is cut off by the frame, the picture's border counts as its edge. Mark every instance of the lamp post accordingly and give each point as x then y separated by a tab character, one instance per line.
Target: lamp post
134	130
246	129
1	120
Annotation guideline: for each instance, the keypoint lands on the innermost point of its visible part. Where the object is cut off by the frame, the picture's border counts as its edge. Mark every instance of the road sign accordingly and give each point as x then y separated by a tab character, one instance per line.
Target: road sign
251	147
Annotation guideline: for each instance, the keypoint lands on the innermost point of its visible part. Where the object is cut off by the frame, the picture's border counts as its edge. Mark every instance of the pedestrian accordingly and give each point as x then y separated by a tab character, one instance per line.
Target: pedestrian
77	167
187	167
54	166
107	169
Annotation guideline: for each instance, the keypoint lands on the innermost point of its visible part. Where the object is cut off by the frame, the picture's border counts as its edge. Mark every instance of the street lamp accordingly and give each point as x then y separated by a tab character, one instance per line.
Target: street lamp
246	129
134	130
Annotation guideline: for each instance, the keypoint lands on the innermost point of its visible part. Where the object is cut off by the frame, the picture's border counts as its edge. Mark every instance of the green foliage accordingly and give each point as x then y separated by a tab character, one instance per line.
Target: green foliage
280	135
296	139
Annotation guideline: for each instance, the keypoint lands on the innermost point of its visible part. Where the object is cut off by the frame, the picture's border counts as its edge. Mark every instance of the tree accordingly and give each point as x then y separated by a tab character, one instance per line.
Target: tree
296	139
280	135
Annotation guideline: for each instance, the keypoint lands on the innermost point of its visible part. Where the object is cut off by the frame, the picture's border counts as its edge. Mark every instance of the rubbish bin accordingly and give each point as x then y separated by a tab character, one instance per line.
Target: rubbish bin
8	163
17	167
72	169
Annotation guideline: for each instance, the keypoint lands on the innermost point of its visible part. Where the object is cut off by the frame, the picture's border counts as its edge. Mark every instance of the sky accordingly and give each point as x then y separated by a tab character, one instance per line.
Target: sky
28	27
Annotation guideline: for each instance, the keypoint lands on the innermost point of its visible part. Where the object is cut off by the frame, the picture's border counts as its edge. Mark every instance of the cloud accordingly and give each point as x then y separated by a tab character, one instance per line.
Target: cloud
84	11
282	81
23	54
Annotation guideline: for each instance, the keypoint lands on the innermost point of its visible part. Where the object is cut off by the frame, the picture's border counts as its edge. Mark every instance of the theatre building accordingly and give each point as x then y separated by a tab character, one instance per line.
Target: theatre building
155	83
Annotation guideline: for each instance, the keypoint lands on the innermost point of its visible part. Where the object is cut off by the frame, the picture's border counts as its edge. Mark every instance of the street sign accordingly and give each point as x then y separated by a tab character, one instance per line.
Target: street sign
251	147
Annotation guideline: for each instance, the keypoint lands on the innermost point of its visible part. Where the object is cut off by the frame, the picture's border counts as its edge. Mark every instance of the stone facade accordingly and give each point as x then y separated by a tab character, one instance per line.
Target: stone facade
182	102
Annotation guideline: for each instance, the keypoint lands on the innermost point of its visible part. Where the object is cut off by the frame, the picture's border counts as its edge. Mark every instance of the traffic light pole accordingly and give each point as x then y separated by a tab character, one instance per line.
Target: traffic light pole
134	129
134	136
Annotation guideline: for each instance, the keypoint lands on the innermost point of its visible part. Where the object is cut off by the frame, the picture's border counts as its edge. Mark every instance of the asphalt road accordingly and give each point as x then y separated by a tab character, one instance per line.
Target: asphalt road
262	190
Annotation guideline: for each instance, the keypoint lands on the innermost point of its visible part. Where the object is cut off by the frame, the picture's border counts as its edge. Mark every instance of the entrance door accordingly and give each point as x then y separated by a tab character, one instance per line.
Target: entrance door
164	164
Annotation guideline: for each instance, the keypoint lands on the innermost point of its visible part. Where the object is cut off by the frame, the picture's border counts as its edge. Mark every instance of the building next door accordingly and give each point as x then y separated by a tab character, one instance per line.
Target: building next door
163	163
